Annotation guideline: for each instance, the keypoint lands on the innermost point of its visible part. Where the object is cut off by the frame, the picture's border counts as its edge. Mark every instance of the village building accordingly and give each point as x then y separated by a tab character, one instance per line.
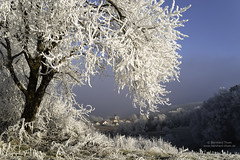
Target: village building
97	123
105	123
116	120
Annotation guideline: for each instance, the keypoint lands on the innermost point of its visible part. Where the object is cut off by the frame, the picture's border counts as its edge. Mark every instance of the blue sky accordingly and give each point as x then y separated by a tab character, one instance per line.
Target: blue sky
211	59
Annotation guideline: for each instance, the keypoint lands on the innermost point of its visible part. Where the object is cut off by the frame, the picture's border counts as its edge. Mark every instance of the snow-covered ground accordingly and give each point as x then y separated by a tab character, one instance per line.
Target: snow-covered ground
58	135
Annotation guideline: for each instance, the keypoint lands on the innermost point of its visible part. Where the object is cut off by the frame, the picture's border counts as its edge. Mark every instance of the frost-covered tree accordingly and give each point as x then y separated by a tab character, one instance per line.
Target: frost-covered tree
65	42
218	119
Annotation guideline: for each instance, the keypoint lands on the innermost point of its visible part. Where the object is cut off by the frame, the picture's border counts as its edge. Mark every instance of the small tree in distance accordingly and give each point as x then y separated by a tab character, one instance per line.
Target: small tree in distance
62	43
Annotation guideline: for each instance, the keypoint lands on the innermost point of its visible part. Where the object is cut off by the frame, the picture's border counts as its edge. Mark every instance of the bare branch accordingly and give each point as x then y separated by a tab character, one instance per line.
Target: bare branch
11	68
4	45
45	82
117	9
15	56
1	53
73	77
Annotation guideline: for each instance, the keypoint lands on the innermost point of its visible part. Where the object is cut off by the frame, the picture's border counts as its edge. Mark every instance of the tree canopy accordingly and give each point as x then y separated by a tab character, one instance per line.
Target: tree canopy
65	42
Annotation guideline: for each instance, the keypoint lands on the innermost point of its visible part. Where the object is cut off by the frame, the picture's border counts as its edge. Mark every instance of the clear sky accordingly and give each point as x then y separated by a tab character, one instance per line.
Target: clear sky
211	59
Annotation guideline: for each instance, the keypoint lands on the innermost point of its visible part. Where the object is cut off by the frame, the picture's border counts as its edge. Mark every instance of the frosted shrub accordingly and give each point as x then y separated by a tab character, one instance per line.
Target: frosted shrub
58	132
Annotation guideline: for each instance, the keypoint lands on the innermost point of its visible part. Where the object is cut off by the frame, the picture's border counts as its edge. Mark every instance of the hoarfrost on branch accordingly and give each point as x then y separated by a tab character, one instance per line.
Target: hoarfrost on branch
77	39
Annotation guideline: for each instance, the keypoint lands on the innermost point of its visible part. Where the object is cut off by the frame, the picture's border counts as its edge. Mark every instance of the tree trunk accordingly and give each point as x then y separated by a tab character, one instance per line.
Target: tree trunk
30	110
32	104
34	97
